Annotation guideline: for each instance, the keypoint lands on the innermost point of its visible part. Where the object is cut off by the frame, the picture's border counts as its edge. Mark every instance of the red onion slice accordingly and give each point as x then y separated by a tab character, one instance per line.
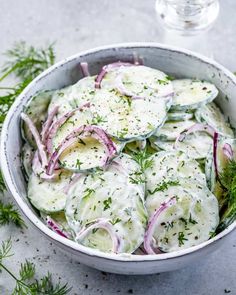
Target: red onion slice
56	228
153	223
83	131
38	170
196	127
108	68
105	224
34	131
84	69
48	123
215	146
56	125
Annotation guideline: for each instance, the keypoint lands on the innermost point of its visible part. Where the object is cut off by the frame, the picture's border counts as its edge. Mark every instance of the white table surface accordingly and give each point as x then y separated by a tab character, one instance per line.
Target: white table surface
76	25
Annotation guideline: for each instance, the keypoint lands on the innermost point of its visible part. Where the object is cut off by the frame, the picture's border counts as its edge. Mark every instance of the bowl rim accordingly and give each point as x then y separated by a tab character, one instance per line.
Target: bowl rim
38	223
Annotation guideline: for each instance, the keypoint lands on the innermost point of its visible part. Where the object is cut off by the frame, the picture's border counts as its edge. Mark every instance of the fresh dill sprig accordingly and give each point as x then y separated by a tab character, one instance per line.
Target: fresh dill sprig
228	198
5	250
26	283
137	177
9	96
163	186
142	158
8	214
27	62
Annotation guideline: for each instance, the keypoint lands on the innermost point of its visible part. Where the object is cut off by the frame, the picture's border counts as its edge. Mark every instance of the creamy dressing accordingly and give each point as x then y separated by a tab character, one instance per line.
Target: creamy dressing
111	195
107	203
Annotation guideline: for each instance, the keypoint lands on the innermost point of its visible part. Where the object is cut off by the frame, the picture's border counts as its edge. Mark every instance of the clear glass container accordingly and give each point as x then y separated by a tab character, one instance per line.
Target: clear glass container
187	17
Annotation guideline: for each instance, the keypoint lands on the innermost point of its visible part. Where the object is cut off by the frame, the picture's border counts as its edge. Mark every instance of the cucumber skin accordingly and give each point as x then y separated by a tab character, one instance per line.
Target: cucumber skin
191	107
37	111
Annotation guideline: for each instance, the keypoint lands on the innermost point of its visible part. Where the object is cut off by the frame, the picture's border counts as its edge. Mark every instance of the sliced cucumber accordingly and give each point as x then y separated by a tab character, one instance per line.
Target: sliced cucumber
213	116
192	94
179	116
139	81
74	96
172	129
188	223
111	195
48	196
169	165
80	117
196	145
128	119
159	144
27	155
37	111
87	152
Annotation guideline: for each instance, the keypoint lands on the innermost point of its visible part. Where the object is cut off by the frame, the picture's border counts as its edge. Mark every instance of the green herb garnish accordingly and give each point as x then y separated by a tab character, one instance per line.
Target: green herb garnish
228	198
181	238
163	186
107	203
142	158
115	221
26	283
78	164
137	177
8	214
98	119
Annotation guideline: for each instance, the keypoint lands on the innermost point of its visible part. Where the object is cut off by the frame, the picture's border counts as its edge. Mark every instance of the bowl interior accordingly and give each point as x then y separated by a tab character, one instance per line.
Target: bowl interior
174	62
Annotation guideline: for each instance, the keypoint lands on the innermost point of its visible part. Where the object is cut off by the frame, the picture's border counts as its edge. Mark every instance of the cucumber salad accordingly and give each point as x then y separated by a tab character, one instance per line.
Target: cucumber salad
125	161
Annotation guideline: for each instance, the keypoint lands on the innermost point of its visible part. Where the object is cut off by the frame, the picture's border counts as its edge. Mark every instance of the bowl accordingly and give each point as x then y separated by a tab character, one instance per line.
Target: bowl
175	62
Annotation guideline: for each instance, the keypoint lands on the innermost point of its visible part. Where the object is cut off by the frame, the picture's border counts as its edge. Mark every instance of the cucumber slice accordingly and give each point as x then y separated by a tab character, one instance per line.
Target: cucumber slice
27	155
167	165
160	145
128	119
213	116
37	111
109	194
74	96
48	196
179	116
86	153
189	222
171	130
196	145
192	94
139	81
80	117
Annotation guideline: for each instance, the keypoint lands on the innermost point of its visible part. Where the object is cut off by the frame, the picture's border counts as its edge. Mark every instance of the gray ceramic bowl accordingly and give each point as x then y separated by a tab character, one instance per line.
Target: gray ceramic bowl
174	61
